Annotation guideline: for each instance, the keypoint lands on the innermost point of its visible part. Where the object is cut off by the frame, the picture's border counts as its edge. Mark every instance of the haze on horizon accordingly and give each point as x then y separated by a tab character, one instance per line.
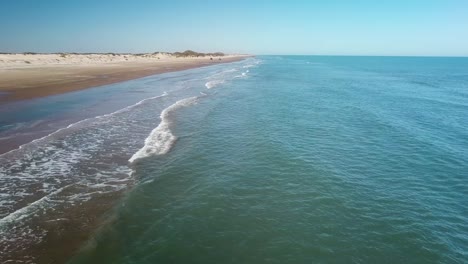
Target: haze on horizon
337	27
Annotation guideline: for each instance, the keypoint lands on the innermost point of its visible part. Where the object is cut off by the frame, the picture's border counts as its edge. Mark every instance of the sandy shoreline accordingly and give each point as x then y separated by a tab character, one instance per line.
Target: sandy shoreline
27	76
64	228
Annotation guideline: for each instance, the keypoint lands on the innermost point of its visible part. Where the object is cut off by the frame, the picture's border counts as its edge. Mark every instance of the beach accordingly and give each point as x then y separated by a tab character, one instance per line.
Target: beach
26	76
251	132
53	207
293	159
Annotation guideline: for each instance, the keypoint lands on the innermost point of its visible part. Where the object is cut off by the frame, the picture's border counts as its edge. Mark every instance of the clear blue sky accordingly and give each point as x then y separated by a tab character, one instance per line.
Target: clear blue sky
366	27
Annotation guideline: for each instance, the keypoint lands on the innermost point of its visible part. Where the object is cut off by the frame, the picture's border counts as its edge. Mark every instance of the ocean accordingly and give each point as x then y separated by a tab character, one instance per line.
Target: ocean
273	159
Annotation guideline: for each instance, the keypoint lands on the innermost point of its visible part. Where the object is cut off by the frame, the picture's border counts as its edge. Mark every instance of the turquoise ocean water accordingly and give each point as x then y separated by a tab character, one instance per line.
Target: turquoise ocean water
274	159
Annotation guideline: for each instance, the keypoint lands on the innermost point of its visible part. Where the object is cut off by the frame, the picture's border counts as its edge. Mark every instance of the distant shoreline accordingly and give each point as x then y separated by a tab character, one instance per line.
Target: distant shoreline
31	75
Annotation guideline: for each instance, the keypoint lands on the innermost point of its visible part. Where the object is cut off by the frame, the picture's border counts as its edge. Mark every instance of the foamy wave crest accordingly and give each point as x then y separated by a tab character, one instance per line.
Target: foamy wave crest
255	64
46	165
242	75
58	131
161	139
27	210
212	84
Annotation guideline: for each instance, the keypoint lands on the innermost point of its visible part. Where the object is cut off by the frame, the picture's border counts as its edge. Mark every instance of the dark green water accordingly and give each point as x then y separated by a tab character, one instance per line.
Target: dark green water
308	160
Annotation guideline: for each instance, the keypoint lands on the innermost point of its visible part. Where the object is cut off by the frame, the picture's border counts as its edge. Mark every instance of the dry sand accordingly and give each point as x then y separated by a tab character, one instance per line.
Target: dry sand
25	76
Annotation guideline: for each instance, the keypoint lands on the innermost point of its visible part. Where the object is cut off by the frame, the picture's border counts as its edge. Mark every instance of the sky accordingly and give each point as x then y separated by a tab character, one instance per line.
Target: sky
296	27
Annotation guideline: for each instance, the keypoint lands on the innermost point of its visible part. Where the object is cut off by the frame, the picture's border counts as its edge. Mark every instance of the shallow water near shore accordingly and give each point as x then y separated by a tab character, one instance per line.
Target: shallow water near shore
274	159
56	189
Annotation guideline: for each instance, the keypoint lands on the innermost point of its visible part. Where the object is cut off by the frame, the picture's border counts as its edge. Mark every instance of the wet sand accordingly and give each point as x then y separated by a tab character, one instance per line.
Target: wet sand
32	81
67	231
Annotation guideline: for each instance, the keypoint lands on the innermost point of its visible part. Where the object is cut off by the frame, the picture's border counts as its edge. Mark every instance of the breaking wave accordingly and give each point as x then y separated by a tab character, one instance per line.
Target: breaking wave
161	139
52	178
212	84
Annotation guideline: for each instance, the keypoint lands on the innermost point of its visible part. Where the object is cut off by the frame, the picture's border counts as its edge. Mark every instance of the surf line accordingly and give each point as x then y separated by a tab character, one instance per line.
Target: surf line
38	140
161	139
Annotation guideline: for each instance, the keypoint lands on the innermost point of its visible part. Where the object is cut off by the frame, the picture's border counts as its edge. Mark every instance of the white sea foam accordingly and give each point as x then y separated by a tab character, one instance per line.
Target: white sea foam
249	66
27	210
47	164
125	109
222	77
242	75
214	83
161	139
